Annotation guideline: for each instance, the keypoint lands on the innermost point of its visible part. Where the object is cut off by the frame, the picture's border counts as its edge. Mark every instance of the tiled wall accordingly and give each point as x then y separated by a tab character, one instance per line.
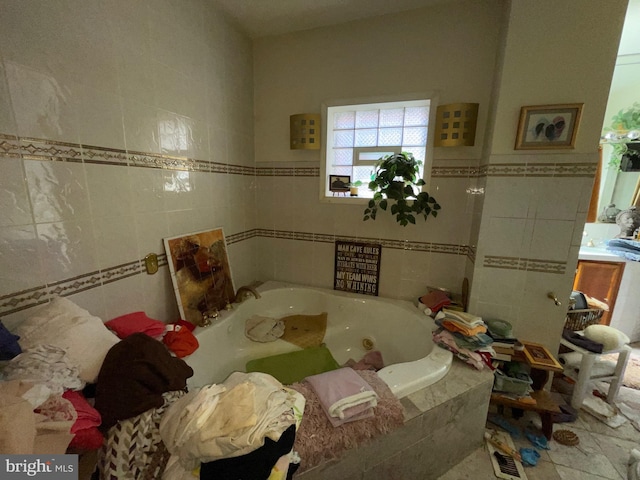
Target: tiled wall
127	122
122	123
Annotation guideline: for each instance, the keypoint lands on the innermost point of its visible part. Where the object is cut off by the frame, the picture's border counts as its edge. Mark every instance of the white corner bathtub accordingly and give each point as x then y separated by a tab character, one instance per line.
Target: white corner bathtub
397	329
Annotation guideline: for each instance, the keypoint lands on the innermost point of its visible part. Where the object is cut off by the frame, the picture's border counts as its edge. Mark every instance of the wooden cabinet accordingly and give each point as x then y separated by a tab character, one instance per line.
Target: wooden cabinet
599	280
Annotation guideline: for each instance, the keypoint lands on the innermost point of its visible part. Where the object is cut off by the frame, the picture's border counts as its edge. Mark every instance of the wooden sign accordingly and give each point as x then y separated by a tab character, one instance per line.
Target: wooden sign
357	267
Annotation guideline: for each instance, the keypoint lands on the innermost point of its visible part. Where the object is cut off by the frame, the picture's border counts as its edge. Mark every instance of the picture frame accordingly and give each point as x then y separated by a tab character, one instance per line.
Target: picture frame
339	183
200	274
537	356
544	127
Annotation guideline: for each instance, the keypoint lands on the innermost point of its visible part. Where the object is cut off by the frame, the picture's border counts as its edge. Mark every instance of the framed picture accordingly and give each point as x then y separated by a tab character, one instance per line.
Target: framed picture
539	357
339	183
548	126
200	273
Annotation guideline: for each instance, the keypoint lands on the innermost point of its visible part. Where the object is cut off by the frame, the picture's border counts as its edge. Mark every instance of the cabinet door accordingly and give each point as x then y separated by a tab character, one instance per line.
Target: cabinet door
599	280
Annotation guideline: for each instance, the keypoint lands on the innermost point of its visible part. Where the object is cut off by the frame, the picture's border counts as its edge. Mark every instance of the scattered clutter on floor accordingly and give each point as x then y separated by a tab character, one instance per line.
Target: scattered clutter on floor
506	461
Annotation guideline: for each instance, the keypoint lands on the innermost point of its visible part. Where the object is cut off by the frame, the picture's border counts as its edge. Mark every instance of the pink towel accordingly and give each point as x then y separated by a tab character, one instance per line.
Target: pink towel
343	395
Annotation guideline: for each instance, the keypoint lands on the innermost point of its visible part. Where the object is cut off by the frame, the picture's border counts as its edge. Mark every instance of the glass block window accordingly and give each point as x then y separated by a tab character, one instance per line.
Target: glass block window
358	135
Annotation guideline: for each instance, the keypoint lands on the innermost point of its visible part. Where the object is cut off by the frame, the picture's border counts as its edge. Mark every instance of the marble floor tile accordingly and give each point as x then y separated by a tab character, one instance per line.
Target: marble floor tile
617	451
567	473
542	471
474	466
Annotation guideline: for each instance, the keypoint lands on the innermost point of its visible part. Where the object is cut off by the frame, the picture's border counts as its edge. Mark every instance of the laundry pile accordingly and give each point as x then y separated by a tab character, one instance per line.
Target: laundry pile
465	336
237	429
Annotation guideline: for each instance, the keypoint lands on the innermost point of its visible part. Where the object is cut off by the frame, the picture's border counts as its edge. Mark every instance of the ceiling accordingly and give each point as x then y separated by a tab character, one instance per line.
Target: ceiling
259	18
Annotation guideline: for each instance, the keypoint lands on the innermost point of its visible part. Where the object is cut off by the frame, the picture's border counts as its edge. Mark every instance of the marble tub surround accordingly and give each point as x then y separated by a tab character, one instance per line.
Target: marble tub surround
444	423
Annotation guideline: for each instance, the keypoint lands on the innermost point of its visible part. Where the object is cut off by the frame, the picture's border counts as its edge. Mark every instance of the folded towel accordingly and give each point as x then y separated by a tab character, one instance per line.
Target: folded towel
344	395
463	317
466	330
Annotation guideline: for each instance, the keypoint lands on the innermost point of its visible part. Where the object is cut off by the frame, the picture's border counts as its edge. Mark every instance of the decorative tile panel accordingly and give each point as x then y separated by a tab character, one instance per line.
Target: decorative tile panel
104	156
528	264
10	146
45	150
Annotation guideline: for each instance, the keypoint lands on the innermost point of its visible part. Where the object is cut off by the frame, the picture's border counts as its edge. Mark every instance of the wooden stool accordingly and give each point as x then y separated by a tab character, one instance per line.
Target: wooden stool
546	405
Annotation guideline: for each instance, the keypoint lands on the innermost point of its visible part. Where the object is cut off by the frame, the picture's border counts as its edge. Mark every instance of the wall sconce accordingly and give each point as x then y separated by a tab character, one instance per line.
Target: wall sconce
304	131
456	125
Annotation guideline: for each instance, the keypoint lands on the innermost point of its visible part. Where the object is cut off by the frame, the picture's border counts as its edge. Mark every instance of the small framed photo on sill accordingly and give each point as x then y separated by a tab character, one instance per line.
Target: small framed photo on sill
339	183
545	127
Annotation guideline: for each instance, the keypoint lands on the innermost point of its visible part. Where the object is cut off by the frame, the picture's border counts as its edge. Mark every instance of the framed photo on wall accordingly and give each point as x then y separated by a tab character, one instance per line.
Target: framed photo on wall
548	126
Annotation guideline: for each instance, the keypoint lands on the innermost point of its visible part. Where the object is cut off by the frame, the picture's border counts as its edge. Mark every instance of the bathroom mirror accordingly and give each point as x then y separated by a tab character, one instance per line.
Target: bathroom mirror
616	186
621	188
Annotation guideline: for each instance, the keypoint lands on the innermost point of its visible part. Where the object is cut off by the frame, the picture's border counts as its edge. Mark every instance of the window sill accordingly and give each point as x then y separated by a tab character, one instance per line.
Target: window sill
345	200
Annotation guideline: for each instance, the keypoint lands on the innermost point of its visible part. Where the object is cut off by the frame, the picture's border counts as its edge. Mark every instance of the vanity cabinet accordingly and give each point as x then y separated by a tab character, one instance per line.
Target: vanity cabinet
600	280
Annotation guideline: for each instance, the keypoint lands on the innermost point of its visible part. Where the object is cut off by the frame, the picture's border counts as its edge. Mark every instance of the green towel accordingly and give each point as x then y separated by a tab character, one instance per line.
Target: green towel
293	367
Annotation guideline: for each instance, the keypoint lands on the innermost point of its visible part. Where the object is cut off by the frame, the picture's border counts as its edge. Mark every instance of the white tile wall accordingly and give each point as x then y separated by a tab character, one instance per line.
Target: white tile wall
117	74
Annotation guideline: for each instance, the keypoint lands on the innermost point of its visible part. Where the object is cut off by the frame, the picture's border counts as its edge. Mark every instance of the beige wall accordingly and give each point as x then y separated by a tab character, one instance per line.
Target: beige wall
558	52
448	49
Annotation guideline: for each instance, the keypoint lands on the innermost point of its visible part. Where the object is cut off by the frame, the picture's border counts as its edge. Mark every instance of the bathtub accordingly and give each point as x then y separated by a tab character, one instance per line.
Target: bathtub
399	330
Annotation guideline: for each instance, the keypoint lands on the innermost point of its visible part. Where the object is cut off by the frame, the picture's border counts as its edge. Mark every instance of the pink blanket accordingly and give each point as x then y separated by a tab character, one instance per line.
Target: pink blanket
344	395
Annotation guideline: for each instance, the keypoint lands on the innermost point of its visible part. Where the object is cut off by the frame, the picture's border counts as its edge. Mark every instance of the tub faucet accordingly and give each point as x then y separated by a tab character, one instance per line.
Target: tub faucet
243	292
207	316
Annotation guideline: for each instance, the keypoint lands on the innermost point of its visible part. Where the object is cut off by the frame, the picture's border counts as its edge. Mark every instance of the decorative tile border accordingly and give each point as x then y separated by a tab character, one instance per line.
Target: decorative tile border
538	170
528	264
15	302
51	150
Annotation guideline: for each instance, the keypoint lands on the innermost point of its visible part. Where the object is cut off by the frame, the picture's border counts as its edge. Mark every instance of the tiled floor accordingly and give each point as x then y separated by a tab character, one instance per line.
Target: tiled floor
603	451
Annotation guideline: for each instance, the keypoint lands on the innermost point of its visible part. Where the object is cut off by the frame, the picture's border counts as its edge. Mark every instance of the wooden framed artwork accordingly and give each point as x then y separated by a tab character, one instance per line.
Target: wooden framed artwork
200	273
539	357
548	126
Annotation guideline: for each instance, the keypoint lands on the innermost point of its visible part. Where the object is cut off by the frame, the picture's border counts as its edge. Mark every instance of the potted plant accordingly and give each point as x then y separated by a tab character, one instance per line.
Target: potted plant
353	187
396	180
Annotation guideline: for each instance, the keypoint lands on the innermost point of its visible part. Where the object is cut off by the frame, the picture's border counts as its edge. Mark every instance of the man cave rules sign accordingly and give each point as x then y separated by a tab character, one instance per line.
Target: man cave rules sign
357	267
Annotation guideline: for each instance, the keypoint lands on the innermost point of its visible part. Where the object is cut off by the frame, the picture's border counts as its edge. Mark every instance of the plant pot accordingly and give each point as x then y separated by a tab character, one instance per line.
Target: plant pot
353	191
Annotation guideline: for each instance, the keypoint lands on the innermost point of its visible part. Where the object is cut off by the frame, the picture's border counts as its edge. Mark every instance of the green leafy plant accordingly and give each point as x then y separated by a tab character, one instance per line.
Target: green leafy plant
625	128
395	182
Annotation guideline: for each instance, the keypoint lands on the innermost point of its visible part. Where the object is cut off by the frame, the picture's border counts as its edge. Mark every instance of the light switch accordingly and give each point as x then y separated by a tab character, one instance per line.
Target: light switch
151	263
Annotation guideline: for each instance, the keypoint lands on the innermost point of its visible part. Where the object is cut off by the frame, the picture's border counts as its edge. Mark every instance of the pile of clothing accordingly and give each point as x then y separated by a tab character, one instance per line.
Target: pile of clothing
242	428
137	383
465	336
42	407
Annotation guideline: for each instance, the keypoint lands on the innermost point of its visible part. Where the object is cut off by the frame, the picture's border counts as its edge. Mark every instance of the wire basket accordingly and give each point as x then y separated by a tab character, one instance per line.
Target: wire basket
581	319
